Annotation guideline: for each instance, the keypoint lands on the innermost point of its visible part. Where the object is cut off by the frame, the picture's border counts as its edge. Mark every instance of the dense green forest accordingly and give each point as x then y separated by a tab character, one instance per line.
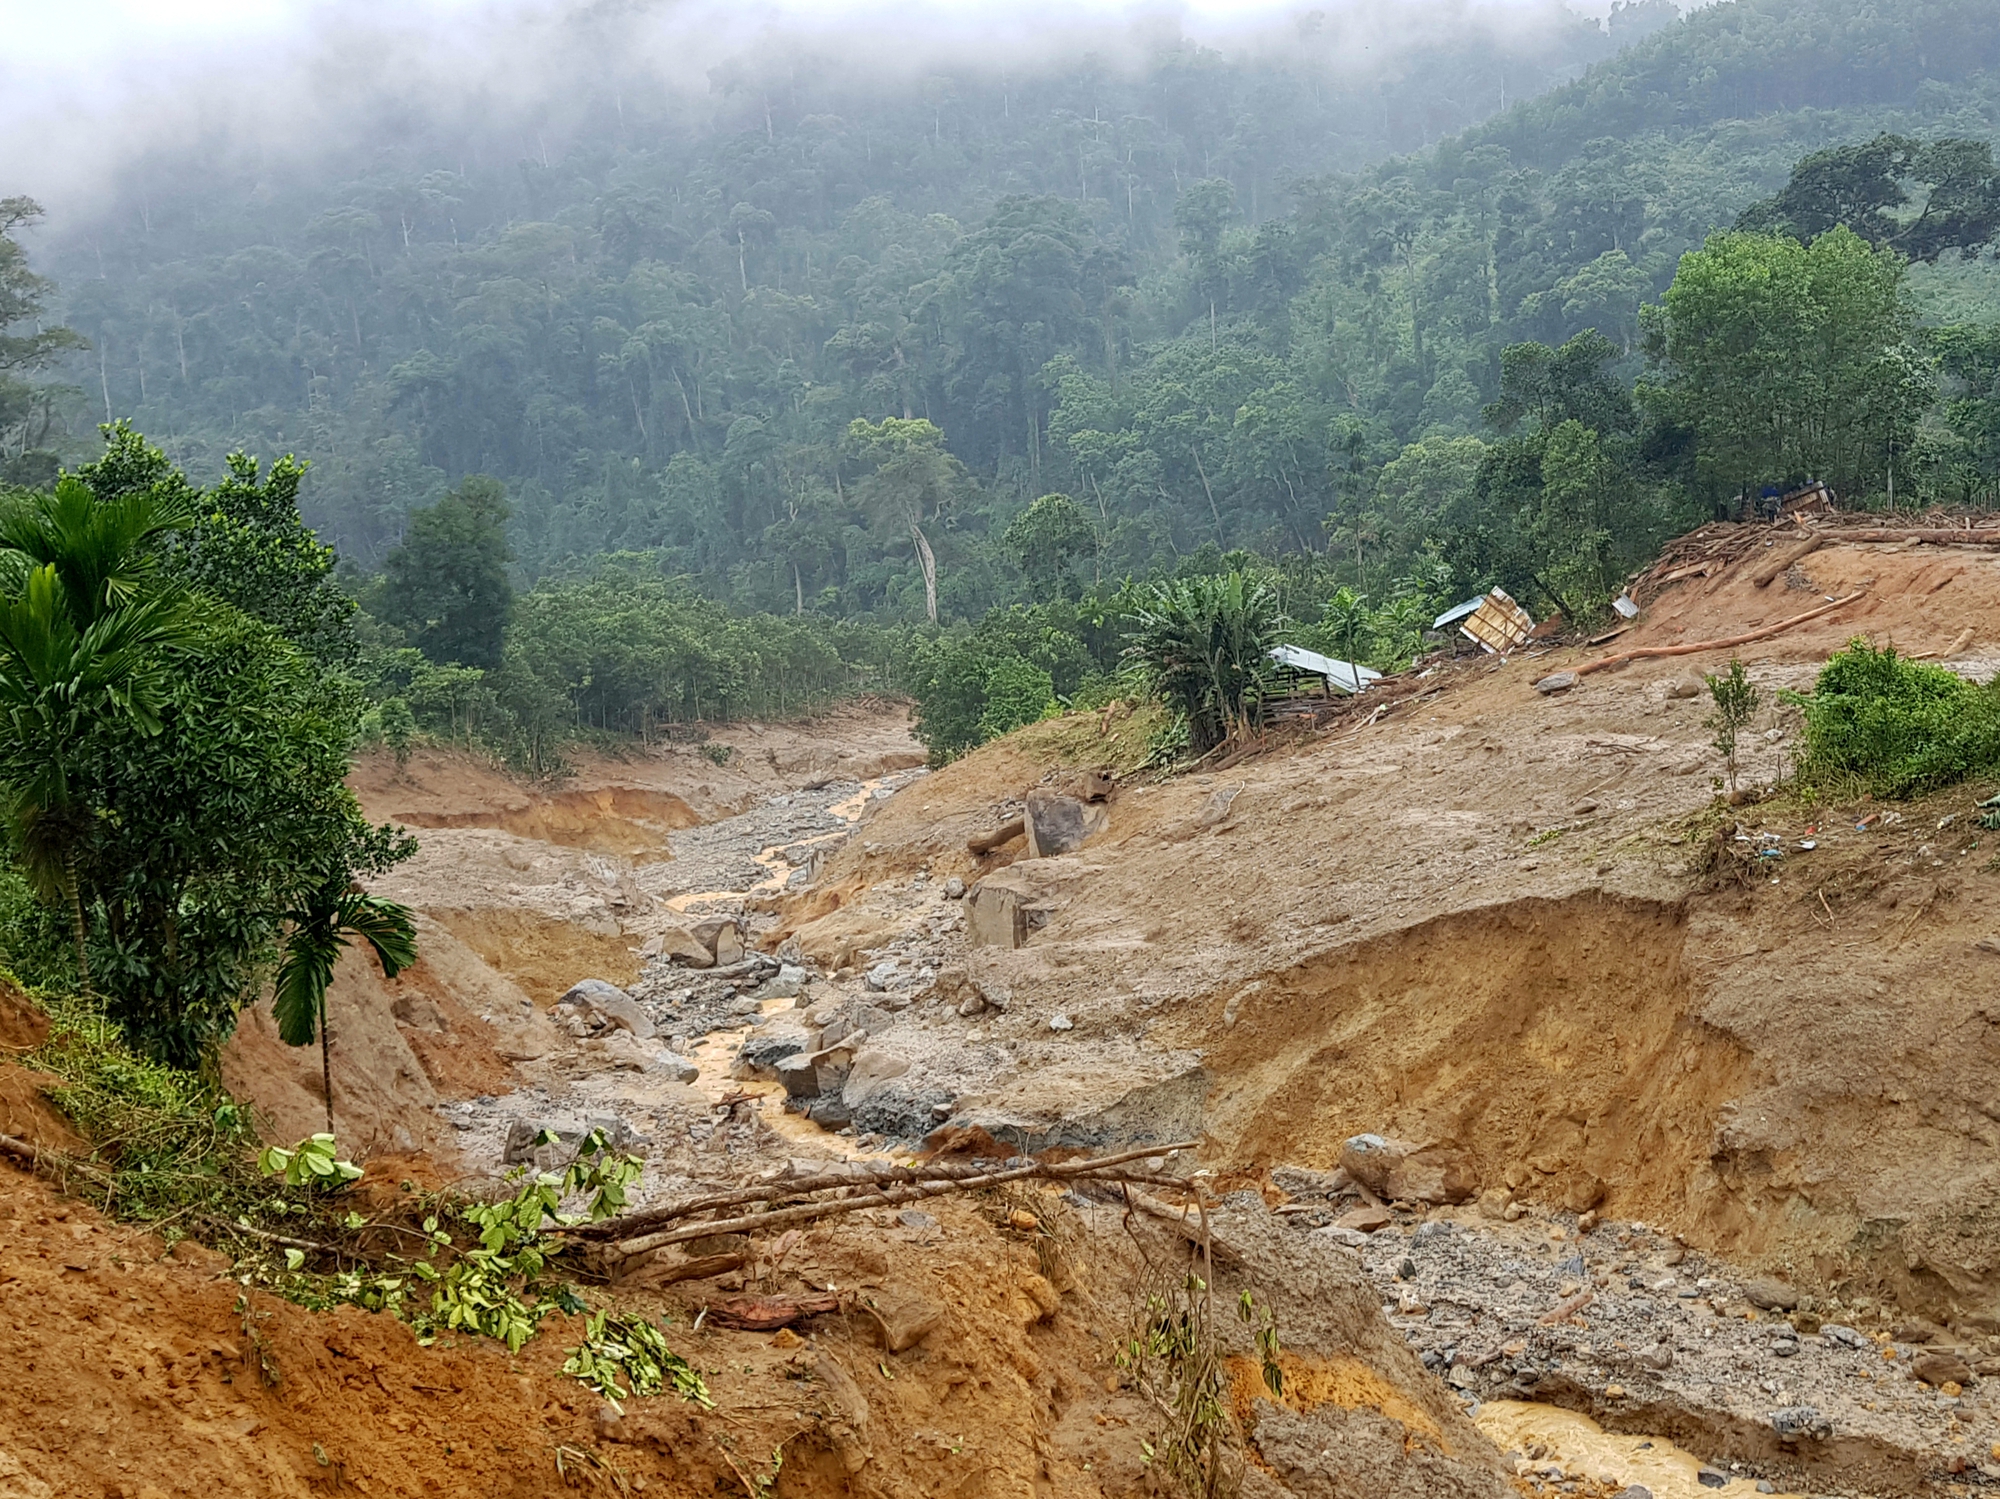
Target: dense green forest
649	407
654	316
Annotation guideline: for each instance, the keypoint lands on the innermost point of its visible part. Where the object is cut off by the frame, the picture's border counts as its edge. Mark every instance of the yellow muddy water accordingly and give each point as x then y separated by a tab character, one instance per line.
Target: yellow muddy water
1586	1449
715	1051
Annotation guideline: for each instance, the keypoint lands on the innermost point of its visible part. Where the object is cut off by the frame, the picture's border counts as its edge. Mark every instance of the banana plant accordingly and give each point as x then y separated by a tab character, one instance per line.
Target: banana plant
320	931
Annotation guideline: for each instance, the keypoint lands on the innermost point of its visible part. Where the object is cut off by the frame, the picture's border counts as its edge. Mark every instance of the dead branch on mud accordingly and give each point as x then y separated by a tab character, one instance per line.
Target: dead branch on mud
639	1233
1726	642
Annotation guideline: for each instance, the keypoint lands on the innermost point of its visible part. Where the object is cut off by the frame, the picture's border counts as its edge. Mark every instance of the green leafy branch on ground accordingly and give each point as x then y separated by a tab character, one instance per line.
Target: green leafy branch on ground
170	1149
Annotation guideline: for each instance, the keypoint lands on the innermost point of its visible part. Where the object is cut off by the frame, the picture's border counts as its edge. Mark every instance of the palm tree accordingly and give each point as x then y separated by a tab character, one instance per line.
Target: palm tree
83	626
1204	642
320	932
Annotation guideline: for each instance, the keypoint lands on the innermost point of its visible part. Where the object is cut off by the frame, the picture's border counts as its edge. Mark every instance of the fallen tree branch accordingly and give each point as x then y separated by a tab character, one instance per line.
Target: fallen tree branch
985	843
1764	575
893	1196
283	1241
1727	642
20	1150
629	1224
1563	1311
1943	538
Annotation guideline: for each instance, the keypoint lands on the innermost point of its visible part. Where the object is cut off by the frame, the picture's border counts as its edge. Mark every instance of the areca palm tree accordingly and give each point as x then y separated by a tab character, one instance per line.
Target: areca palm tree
321	930
1204	641
82	627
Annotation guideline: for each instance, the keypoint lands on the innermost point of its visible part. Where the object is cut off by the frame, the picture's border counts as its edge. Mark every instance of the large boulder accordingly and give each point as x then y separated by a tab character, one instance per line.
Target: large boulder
722	937
768	1045
995	915
1403	1172
611	1004
872	1068
1058	824
686	948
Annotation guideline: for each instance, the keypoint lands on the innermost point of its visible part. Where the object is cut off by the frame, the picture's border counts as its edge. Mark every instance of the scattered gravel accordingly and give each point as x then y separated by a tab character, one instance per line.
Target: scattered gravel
1480	1302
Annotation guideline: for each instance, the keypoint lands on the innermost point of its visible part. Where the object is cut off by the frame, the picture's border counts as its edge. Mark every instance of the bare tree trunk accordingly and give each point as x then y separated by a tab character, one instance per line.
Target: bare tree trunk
326	1065
929	563
78	928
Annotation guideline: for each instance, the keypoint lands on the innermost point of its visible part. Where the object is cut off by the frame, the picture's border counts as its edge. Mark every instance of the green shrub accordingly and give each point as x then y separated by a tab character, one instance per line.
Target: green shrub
1895	727
1203	643
164	1143
1017	692
1008	671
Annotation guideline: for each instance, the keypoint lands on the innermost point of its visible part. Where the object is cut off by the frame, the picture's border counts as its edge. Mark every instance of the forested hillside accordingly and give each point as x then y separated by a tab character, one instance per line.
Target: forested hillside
654	317
744	386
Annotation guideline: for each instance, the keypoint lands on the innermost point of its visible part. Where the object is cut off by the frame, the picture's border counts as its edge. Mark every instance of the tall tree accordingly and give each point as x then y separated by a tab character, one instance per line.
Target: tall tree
1867	188
27	345
912	480
1790	361
82	626
447	584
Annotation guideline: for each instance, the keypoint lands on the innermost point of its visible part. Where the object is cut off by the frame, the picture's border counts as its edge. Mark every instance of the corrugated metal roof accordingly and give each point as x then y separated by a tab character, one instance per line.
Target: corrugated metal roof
1457	612
1343	676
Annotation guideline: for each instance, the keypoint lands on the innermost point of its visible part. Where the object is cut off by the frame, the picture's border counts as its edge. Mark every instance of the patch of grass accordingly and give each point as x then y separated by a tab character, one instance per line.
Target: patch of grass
165	1145
1895	728
1118	736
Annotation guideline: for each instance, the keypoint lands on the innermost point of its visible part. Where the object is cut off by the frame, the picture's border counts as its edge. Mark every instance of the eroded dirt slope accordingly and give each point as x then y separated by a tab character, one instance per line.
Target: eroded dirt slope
1478	921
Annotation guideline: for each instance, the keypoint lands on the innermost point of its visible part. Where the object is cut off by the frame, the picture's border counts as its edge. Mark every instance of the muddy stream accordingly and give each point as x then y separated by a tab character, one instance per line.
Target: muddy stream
714	1052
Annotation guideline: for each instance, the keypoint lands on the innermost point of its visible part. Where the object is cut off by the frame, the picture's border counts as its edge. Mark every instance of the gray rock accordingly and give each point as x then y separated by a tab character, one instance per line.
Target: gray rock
1784	1348
1795	1421
764	1048
1634	1491
1770	1295
1334	1233
521	1148
610	1003
1058	824
1846	1337
829	1112
871	1069
954	888
1061	1022
1709	1478
1297	1181
916	1218
789	984
995	916
972	1005
884	974
1684	687
1559	681
800	1076
1370	1158
678	1067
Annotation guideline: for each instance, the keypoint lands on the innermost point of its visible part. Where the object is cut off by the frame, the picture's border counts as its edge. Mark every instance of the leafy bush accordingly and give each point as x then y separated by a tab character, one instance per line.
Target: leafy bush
1017	692
1009	671
1203	643
1897	727
164	1142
